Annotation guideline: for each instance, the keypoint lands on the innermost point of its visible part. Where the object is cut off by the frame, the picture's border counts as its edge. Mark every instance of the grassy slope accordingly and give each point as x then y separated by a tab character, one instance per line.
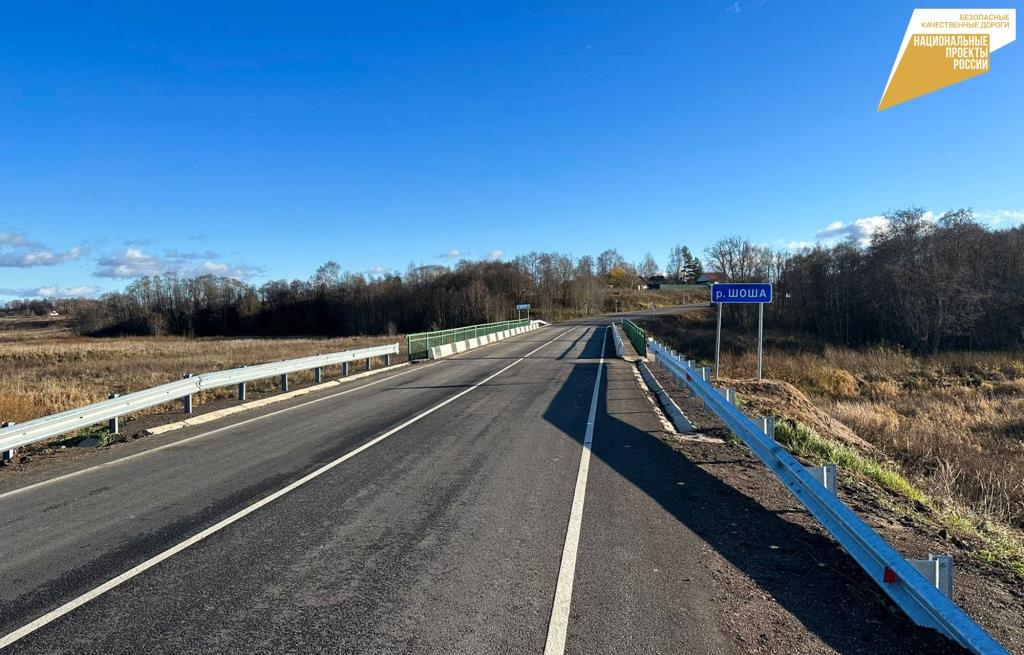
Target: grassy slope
44	368
944	433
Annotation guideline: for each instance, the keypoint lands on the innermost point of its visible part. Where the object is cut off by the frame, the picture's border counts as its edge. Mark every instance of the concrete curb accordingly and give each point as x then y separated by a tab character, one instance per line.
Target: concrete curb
679	420
620	349
448	349
263	402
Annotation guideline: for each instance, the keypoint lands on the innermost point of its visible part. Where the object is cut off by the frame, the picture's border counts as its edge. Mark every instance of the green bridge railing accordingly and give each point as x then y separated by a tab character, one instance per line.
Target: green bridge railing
421	342
637	336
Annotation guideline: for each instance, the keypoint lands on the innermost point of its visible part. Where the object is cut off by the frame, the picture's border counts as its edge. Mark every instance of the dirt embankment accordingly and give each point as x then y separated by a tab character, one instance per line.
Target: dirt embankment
989	591
781	399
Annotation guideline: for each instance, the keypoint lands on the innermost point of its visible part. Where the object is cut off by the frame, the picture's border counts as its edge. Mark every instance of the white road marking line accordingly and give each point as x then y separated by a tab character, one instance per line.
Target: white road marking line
559	623
55	614
149	451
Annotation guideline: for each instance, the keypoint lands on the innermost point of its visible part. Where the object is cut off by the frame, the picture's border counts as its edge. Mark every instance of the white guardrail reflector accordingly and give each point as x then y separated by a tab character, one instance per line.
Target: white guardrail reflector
899	579
22	434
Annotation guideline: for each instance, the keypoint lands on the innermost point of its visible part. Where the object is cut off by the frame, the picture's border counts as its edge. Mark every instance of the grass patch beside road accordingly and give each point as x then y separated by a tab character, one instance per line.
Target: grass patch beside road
803	441
945	431
953	423
994	544
45	368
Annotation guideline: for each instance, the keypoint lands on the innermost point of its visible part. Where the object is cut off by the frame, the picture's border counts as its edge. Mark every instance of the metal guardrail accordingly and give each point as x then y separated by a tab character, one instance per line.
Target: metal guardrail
637	336
420	343
916	596
23	434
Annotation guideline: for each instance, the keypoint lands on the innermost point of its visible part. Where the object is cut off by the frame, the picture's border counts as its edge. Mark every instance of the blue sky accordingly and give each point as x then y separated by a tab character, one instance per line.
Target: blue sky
246	140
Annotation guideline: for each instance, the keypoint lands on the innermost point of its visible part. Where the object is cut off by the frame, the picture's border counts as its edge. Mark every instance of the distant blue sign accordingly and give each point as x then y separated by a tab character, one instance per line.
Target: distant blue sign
523	307
741	293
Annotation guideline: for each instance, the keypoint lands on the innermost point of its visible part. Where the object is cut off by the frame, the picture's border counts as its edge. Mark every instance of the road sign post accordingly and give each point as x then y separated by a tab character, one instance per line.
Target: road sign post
718	343
522	308
742	294
760	338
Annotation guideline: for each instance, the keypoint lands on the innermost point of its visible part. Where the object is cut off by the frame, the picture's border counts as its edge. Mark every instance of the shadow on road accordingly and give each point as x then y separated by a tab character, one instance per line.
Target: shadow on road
805	572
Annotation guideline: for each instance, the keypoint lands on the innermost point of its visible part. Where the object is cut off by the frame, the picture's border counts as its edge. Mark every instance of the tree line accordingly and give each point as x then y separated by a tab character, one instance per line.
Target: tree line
926	283
339	303
922	282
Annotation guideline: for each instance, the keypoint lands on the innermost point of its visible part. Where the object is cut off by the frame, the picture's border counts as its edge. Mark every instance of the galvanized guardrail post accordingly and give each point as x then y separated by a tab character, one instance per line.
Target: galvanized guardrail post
318	375
825	474
918	596
387	359
369	364
344	369
186	401
284	382
938	569
46	427
8	455
112	424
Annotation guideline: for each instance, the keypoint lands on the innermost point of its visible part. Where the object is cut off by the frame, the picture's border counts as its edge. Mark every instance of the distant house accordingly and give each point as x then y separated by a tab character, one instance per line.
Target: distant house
710	278
655	281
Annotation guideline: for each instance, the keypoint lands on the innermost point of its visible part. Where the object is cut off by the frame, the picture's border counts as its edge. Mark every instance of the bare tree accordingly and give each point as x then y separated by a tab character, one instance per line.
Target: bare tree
608	260
648	267
740	260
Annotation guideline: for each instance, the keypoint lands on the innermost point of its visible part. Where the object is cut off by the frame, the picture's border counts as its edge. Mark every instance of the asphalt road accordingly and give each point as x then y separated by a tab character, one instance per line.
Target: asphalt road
449	507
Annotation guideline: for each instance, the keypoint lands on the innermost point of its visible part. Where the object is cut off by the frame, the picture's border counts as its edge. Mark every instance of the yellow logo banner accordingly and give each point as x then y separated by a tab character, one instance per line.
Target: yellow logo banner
944	46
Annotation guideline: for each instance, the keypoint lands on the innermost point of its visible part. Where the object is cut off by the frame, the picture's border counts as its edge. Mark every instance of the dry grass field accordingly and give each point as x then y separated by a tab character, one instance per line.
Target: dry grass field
45	368
951	424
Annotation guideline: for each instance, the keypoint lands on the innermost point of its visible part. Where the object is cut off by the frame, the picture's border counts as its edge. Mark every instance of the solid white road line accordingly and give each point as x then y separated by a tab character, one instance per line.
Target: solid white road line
148	451
559	623
209	433
32	626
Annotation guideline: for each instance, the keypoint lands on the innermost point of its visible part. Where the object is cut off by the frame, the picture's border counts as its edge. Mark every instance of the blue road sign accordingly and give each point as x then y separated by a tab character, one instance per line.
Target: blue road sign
741	293
523	307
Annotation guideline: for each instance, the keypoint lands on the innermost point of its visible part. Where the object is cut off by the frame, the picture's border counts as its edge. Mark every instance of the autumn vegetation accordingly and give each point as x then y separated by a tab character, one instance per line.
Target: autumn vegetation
913	340
46	368
333	302
946	429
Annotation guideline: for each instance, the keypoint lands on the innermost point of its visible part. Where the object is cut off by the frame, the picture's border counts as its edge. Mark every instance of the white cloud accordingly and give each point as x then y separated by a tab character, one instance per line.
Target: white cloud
454	253
221	269
861	229
18	251
1002	217
131	262
799	245
134	262
495	255
376	271
739	5
17	240
51	292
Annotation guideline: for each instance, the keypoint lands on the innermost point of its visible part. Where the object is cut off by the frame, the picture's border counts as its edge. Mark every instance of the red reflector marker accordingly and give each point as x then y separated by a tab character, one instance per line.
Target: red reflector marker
889	576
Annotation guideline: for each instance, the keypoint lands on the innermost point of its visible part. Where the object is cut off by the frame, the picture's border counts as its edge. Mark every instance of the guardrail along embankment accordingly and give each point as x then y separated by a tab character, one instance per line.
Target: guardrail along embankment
14	436
901	579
